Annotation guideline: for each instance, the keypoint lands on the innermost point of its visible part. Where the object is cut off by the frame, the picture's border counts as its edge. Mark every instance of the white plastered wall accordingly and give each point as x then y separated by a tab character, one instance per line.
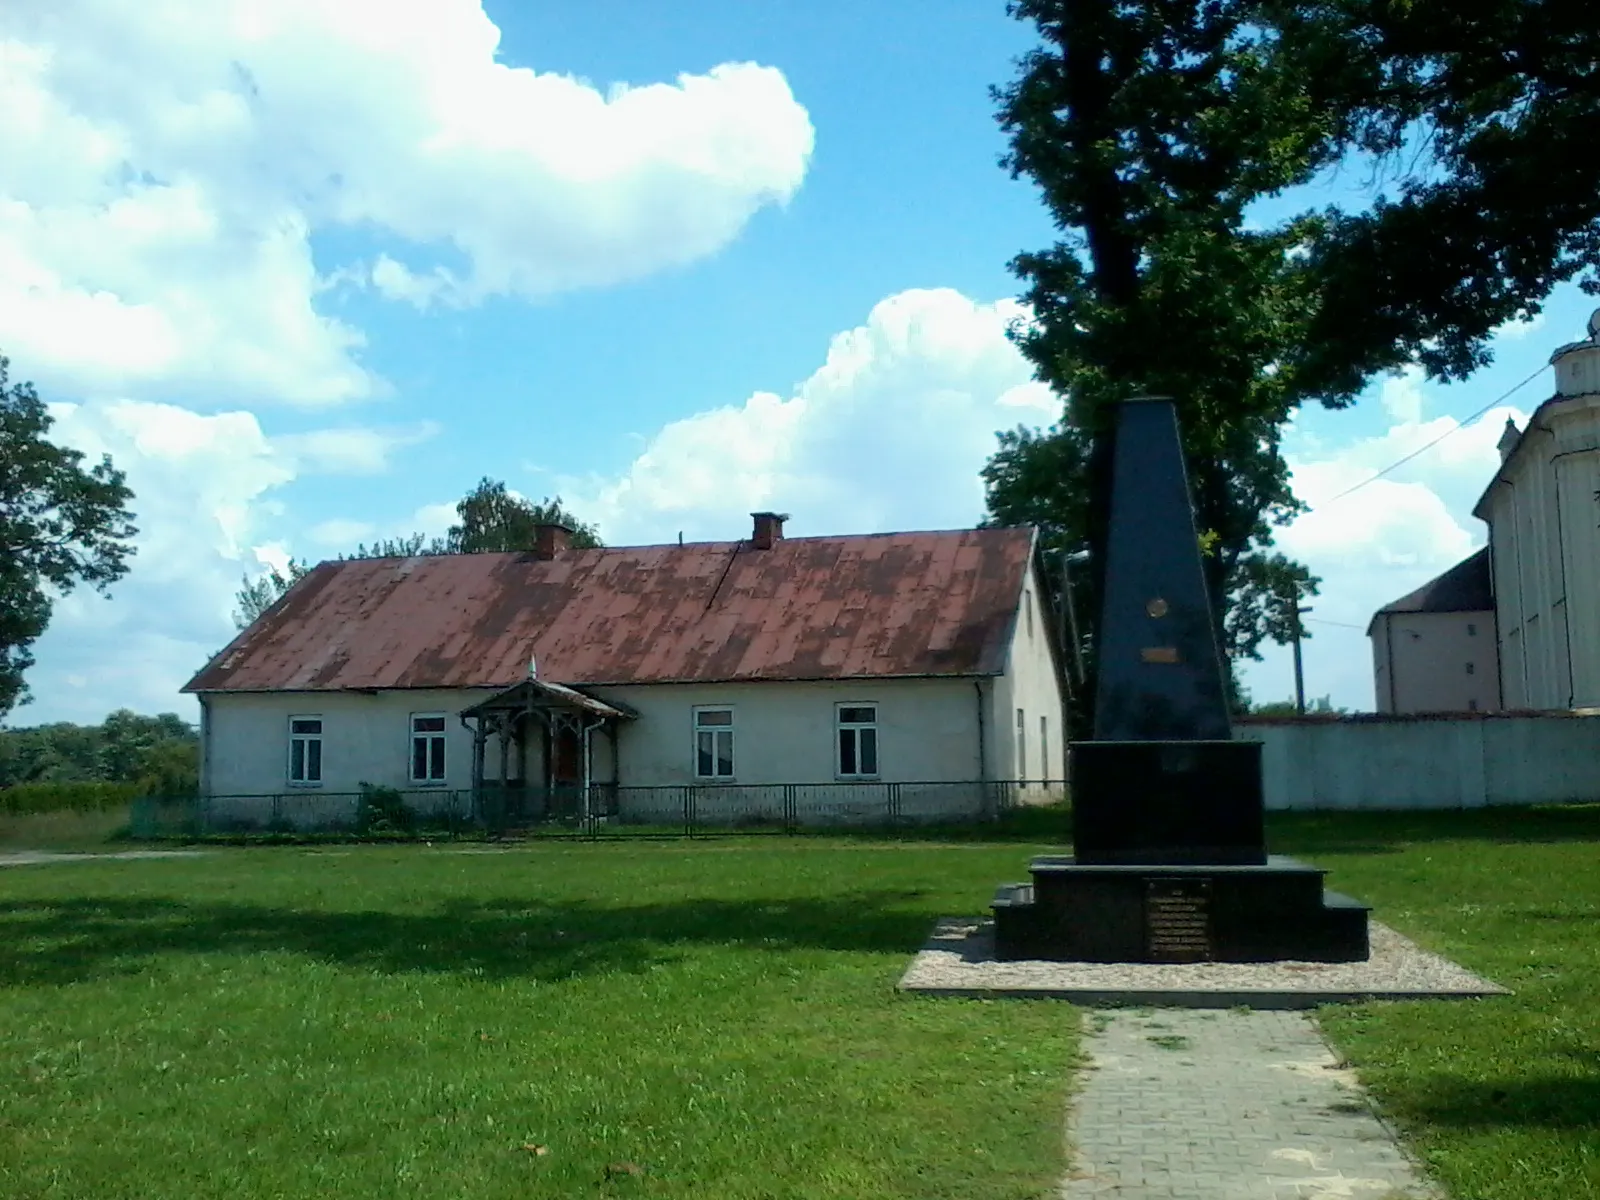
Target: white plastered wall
1031	684
786	732
365	738
1442	662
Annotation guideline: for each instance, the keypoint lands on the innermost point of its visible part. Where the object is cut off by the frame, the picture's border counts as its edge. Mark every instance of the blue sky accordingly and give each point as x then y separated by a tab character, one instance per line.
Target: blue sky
308	272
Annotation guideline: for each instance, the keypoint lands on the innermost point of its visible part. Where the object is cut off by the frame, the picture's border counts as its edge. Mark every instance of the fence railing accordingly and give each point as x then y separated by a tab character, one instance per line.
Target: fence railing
603	810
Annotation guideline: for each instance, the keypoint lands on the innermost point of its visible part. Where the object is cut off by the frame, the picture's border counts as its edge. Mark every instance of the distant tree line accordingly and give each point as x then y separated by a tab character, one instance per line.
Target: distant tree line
160	753
490	520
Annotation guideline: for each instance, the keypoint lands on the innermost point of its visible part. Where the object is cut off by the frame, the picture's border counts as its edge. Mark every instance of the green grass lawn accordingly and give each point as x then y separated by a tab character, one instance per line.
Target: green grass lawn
455	1021
1500	1097
407	1021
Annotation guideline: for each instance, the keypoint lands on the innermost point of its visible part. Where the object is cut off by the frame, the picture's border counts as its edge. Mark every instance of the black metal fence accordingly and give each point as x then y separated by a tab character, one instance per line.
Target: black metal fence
603	810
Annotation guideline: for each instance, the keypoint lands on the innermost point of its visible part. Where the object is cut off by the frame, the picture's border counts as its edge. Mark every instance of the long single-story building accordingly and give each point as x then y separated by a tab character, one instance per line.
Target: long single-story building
906	658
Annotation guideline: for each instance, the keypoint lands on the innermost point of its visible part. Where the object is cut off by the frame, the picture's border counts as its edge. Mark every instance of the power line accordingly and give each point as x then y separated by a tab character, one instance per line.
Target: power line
1453	429
1340	624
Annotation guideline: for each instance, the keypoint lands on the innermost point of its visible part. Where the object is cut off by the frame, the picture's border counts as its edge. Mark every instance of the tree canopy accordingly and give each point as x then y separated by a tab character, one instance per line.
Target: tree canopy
257	595
489	519
161	751
492	519
60	525
1154	128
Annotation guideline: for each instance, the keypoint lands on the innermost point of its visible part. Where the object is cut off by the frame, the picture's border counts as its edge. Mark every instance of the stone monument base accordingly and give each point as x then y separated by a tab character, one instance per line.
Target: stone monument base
1098	913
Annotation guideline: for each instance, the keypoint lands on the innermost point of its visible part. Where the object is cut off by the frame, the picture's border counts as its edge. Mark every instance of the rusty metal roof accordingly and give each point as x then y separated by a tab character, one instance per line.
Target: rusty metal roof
893	604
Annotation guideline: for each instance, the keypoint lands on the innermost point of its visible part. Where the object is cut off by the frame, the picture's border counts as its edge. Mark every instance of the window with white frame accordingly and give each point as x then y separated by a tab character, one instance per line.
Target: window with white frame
858	740
713	743
1022	744
427	747
305	751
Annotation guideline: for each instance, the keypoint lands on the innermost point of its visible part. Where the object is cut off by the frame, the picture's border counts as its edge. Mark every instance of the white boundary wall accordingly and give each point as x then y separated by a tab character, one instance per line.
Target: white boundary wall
1374	761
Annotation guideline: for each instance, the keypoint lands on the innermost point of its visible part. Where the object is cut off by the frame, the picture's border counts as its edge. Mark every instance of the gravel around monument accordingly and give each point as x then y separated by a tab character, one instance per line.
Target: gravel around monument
958	960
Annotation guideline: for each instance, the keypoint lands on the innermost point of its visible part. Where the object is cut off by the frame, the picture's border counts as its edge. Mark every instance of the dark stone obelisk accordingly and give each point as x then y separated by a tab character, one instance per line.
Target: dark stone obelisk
1162	781
1160	669
1167	812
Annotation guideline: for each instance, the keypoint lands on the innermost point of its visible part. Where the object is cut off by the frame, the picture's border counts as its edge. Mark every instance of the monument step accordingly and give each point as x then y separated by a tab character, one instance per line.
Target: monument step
1013	895
1222	913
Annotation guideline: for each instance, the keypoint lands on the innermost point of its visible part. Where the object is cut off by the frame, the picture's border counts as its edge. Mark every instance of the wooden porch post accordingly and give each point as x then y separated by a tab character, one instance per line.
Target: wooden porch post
583	754
505	754
477	765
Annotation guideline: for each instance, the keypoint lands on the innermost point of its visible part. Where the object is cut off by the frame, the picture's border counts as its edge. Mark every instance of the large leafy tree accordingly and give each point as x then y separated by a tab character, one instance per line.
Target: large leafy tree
1483	113
489	519
60	525
1153	126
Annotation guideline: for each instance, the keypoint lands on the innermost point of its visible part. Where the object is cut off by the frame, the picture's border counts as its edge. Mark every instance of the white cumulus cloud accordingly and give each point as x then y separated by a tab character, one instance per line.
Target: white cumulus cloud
164	165
888	433
351	450
206	502
202	485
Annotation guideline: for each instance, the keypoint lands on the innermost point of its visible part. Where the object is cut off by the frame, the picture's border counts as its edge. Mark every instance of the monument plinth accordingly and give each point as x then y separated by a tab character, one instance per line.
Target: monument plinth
1170	861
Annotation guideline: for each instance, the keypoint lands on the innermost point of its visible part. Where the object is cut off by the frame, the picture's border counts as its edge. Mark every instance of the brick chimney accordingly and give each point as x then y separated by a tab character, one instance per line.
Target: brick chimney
550	540
768	530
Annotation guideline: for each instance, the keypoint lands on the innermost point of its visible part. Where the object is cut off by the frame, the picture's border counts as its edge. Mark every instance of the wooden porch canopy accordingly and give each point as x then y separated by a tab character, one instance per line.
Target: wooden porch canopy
565	718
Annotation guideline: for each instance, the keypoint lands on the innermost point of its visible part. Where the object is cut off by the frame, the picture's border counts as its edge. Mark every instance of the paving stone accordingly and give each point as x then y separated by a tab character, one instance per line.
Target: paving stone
1234	1106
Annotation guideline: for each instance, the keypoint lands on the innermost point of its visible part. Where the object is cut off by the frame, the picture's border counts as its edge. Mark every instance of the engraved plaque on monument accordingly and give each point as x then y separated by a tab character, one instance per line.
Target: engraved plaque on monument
1177	920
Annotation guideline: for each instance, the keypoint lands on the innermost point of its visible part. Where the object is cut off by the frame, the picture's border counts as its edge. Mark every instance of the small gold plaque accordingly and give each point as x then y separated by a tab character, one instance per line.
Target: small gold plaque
1159	654
1156	607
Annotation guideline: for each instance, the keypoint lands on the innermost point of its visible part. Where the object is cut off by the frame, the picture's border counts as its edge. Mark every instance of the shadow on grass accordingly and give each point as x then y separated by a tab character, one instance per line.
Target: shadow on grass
1560	1102
1310	834
67	941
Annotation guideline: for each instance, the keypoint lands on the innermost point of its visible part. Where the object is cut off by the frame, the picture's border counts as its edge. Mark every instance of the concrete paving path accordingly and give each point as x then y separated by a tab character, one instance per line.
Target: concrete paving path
1183	1104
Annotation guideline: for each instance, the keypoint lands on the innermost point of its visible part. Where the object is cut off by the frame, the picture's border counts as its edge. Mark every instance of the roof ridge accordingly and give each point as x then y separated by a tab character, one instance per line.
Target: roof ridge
931	602
814	537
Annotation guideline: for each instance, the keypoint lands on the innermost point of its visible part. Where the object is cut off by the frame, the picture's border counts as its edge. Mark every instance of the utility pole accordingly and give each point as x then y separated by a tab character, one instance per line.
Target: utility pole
1299	674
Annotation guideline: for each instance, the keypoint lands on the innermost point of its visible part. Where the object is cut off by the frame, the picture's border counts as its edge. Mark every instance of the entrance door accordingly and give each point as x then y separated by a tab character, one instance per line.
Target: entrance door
566	772
566	757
